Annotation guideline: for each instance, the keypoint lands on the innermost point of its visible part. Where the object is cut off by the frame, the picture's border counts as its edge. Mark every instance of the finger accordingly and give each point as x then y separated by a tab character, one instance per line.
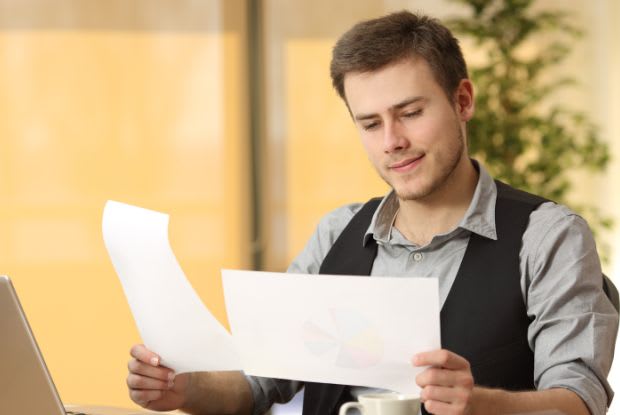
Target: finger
457	397
146	383
442	408
445	377
442	358
144	397
140	368
140	352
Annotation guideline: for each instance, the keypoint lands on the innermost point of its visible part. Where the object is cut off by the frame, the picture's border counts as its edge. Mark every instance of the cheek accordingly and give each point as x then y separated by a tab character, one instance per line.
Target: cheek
427	131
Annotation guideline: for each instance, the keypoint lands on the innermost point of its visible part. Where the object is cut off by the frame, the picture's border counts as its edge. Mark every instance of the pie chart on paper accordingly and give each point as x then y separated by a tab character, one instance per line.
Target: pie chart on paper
345	338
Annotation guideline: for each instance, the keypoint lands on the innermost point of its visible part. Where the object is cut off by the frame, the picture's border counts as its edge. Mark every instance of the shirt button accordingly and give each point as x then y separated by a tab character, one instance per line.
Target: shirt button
417	257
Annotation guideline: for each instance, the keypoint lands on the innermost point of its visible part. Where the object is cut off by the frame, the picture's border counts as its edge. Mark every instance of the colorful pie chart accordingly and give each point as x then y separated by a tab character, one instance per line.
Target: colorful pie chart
346	339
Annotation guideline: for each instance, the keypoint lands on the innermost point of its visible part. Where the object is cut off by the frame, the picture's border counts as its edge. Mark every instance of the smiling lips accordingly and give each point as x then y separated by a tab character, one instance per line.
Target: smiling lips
407	164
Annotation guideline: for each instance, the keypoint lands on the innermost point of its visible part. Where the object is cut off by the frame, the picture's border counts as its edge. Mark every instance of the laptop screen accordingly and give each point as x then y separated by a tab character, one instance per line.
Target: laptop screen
26	387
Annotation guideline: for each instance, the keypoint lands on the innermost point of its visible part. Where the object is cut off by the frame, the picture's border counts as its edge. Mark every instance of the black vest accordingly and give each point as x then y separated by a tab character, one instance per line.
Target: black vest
483	319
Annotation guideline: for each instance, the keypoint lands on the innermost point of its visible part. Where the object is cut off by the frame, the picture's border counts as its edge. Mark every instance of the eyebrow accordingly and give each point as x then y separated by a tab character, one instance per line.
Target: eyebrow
397	106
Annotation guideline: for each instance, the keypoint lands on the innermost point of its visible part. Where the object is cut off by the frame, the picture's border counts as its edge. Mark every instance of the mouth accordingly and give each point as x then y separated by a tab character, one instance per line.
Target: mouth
407	164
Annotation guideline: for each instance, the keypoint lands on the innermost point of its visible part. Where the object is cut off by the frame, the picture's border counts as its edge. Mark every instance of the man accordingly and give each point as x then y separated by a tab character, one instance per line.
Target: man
525	324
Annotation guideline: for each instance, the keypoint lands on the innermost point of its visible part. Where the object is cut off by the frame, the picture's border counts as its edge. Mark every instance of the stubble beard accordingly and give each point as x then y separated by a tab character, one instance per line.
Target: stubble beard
447	168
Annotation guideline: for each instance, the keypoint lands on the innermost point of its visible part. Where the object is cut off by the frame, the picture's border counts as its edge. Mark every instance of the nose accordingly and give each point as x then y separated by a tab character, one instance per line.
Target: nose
394	137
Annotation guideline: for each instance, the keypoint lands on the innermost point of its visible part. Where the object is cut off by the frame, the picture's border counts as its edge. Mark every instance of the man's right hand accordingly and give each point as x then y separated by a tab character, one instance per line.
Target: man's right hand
153	386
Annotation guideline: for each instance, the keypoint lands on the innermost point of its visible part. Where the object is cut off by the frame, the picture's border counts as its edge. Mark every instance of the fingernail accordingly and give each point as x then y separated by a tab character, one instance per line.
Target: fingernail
155	361
171	375
170	384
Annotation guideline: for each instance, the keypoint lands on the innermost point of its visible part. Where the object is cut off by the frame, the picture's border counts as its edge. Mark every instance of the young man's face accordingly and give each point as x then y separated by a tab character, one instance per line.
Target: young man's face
413	134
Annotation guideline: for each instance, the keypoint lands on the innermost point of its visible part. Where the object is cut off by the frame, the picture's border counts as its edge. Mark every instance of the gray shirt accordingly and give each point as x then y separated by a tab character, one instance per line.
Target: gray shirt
574	325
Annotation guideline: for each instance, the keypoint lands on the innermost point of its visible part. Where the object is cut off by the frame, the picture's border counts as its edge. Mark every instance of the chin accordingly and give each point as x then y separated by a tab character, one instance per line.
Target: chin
411	194
418	191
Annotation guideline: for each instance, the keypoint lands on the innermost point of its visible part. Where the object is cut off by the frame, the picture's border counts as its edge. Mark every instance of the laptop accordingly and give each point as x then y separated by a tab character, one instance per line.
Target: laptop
26	387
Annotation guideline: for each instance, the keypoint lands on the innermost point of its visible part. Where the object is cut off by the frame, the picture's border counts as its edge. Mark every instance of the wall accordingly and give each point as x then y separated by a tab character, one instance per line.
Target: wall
141	102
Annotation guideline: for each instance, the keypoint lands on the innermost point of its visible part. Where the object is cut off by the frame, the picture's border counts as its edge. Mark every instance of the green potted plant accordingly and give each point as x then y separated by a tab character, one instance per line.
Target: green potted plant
521	134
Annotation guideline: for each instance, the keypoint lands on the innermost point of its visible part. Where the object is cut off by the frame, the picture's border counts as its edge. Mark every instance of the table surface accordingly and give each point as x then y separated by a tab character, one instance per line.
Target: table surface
111	410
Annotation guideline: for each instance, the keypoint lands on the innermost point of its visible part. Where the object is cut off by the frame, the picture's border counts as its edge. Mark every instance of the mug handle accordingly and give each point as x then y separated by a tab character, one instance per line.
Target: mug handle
349	405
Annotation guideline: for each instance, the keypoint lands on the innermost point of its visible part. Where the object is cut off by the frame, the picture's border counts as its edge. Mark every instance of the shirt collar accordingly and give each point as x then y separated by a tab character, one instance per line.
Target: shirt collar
479	217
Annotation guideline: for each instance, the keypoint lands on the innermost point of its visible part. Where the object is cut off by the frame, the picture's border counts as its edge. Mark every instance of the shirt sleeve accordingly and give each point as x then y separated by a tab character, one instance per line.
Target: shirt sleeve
574	325
267	391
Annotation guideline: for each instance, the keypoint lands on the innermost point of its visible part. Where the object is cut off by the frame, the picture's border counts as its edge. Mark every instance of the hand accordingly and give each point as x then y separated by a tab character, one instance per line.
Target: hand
153	386
447	385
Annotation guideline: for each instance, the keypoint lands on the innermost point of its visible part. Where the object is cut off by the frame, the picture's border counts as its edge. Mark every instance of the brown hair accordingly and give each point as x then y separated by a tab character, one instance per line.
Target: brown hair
370	45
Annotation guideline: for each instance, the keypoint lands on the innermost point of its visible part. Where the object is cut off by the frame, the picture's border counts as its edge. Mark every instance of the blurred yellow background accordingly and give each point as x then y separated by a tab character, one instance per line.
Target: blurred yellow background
148	102
147	112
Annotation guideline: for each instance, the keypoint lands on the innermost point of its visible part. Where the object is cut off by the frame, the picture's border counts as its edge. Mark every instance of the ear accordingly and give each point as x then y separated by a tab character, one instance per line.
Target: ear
464	100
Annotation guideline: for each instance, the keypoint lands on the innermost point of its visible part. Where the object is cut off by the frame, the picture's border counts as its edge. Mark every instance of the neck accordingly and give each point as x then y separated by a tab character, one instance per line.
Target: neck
420	220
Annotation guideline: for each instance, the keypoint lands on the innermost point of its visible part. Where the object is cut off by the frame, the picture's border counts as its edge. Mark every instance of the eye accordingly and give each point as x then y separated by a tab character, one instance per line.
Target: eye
412	114
370	126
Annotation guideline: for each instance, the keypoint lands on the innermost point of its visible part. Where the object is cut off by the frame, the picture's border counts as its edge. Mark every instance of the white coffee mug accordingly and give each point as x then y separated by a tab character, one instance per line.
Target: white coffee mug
386	403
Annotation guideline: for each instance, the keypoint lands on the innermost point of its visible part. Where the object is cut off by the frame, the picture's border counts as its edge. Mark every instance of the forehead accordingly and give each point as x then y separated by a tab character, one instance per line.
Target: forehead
376	91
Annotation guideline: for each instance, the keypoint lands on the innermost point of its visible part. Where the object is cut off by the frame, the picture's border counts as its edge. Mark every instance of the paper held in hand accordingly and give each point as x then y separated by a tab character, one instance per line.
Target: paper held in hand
319	328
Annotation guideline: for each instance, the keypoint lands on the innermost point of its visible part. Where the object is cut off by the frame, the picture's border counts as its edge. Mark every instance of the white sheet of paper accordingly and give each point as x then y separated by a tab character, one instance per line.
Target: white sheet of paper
170	316
334	329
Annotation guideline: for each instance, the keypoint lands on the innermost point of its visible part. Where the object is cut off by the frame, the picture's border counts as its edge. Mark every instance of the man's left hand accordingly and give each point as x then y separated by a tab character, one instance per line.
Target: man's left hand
447	385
